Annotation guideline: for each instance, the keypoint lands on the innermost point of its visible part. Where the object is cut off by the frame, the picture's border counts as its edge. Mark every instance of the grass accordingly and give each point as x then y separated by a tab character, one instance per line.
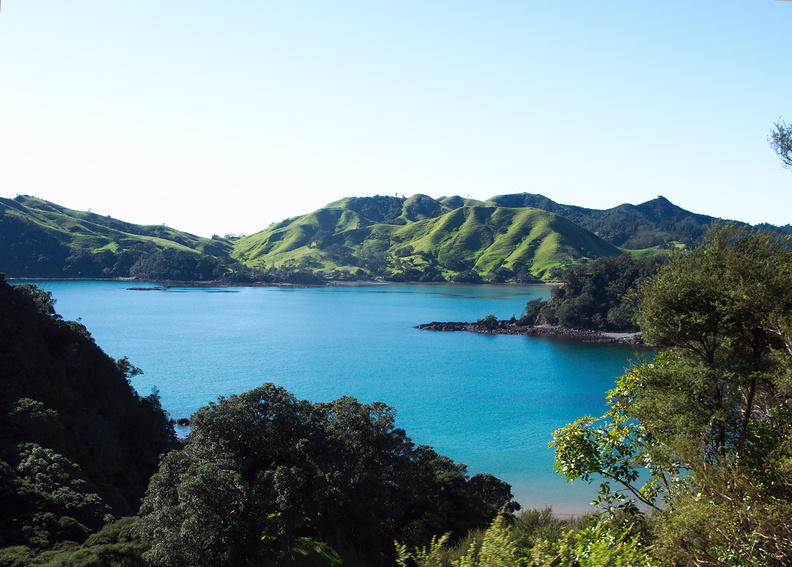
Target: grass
94	233
454	233
479	236
647	252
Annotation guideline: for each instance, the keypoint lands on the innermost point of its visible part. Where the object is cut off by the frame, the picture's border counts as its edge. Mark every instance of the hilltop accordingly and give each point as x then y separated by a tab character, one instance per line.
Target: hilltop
631	227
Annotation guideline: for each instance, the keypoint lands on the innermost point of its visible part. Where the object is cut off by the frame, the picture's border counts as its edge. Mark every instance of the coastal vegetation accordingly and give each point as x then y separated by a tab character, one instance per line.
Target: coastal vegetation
693	456
708	420
77	444
594	301
262	470
596	296
262	478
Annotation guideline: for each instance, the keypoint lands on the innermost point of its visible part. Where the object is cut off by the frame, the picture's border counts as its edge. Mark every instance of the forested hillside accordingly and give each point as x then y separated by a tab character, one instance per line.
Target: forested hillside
77	444
599	296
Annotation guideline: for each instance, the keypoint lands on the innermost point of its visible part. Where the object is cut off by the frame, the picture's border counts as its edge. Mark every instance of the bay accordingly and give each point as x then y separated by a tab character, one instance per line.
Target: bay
489	401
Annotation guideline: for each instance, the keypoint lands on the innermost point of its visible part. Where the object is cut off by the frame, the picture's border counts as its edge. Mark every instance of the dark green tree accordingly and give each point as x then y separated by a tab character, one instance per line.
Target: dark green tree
263	469
77	443
597	295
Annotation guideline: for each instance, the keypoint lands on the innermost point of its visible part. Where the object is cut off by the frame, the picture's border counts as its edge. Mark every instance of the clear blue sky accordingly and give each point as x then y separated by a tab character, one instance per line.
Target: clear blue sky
222	117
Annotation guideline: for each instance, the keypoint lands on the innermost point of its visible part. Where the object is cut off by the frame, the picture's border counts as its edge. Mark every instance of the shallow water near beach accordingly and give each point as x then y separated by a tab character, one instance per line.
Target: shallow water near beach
491	402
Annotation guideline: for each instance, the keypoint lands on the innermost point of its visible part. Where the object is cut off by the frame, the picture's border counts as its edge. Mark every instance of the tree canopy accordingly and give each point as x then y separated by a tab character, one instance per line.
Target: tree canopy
263	469
709	419
596	296
77	443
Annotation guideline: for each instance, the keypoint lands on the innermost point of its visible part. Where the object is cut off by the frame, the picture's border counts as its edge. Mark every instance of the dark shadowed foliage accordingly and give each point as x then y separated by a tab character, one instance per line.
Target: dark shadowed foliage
77	443
263	469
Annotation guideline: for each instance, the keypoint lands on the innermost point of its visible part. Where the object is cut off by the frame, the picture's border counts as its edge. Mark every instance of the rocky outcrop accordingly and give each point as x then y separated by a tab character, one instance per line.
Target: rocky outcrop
513	327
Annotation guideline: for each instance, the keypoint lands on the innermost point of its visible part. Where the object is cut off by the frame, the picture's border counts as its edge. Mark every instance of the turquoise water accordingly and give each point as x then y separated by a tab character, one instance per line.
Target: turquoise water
490	402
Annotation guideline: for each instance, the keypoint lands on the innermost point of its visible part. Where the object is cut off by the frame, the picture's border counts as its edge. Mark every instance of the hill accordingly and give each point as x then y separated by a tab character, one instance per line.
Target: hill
631	227
41	239
420	238
520	237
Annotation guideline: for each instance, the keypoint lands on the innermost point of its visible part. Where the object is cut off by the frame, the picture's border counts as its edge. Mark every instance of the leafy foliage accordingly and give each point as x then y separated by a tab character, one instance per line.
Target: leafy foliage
597	295
709	419
600	544
77	443
781	142
115	545
263	468
171	264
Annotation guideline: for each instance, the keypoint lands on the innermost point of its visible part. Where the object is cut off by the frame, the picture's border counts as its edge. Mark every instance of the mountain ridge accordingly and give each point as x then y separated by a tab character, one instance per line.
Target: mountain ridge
512	237
421	238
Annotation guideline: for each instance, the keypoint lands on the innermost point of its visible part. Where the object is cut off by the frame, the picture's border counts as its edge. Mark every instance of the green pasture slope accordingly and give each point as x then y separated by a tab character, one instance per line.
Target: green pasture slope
42	239
453	235
94	233
517	237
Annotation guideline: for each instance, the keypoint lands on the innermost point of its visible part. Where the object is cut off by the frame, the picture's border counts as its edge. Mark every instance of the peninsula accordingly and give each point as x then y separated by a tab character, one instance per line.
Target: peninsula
515	327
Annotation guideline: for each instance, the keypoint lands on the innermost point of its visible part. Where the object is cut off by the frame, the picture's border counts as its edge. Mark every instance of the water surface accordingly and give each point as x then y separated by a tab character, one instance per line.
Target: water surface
490	402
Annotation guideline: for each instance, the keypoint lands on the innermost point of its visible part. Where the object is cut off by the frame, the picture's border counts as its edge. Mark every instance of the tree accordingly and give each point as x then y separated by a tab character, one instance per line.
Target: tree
781	142
709	418
263	469
77	443
597	295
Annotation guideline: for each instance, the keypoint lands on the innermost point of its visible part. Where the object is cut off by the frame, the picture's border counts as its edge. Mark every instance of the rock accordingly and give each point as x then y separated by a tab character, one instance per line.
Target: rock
512	327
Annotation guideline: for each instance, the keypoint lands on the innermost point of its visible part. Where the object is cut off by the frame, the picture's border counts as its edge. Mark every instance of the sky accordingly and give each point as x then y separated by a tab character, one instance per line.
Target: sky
221	118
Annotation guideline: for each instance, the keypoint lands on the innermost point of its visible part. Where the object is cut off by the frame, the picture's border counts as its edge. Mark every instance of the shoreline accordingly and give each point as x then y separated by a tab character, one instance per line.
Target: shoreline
514	328
164	284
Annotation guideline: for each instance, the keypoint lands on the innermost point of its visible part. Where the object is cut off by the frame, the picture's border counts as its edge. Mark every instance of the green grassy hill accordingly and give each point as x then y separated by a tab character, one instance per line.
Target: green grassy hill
41	239
520	237
94	233
423	238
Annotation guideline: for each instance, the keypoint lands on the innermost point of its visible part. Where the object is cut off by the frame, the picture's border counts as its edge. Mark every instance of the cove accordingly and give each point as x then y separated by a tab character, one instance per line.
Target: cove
489	401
